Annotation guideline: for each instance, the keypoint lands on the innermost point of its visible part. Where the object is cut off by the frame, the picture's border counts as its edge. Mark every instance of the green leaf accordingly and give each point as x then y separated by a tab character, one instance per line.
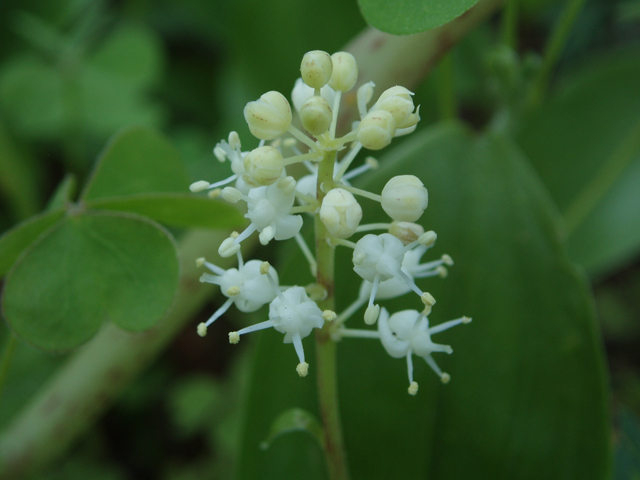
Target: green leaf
137	160
176	209
64	193
402	17
16	240
294	420
91	268
527	397
585	144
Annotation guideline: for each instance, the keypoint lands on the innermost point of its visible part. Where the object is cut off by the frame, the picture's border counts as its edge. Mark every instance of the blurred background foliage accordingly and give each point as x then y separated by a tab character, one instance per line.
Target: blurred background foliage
74	72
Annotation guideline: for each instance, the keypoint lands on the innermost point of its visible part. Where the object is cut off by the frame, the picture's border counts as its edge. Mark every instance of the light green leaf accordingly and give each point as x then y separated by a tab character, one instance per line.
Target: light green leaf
137	160
403	17
294	420
91	268
176	209
16	240
527	397
585	144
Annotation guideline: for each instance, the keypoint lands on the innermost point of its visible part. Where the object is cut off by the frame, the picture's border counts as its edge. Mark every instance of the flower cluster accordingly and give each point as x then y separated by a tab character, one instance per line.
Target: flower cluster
388	262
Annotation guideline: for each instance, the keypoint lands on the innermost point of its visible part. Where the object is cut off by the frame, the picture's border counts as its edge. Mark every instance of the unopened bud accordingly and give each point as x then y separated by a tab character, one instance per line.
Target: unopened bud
269	117
398	102
376	130
316	68
263	166
407	232
341	213
404	198
316	115
345	71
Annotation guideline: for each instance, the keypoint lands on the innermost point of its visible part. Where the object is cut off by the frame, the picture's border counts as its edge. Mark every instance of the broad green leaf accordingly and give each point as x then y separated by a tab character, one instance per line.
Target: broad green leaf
295	420
527	397
403	17
91	268
137	160
585	144
176	209
16	240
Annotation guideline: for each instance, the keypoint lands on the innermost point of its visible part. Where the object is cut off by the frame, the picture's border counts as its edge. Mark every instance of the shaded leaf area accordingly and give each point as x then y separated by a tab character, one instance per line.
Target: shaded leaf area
137	160
88	269
627	454
294	420
176	209
15	241
527	393
403	17
97	94
585	144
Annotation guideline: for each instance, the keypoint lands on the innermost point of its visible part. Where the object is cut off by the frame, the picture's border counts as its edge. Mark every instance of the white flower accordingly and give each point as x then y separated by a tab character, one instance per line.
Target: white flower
407	332
268	210
404	198
244	286
227	151
293	313
378	258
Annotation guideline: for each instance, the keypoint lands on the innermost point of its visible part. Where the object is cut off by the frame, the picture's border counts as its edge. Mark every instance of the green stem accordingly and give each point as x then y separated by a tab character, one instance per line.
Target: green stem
615	165
446	91
94	377
510	24
553	50
325	346
9	348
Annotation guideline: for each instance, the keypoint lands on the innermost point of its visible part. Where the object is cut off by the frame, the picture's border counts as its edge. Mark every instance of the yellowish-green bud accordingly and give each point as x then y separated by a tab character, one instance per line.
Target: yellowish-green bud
269	117
263	166
316	68
345	71
404	198
316	115
376	130
398	102
341	213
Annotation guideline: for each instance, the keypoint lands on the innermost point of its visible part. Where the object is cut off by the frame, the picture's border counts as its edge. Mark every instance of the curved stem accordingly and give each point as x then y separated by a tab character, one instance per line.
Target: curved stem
325	346
553	50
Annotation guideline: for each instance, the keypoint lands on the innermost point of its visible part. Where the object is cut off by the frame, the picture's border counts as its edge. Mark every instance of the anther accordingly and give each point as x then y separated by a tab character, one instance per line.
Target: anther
199	186
413	388
302	369
202	329
234	337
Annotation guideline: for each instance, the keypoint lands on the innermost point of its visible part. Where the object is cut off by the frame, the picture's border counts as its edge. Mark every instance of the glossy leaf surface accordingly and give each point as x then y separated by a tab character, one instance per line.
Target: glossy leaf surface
527	397
403	17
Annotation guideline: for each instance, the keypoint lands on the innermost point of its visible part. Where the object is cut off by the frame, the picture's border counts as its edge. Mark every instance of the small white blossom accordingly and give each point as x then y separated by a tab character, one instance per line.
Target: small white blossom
293	313
404	198
244	286
407	332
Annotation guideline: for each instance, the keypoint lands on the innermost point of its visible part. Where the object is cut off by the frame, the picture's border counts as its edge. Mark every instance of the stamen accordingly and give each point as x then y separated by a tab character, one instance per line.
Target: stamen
199	186
346	161
372	226
225	306
297	344
246	233
413	388
254	328
313	265
444	377
223	182
370	164
351	309
214	268
447	325
353	333
363	193
208	278
302	137
334	110
410	283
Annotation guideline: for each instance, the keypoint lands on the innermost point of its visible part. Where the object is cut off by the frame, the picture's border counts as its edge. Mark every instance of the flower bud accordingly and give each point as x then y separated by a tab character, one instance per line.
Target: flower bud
404	198
341	213
263	166
376	130
345	71
407	232
398	102
269	117
316	115
316	68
